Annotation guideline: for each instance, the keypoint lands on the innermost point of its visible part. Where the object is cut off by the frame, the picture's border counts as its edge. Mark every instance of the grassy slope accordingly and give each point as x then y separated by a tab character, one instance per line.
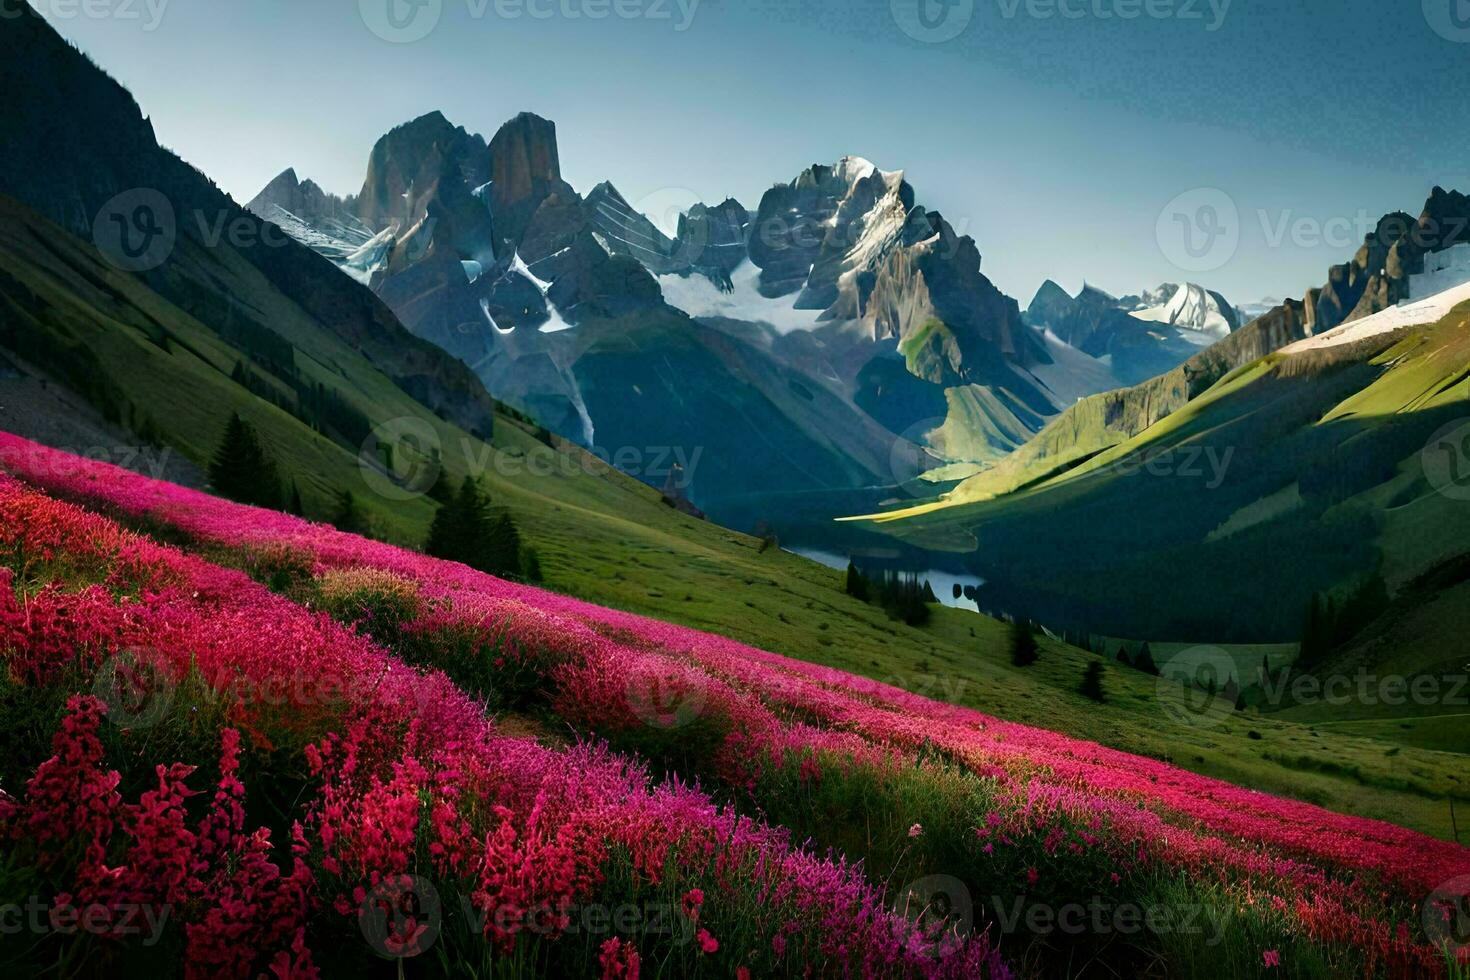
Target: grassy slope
607	538
1283	418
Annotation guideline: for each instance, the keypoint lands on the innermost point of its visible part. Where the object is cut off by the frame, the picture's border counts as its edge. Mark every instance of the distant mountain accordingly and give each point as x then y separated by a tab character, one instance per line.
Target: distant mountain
483	249
147	367
230	317
1189	308
1137	336
1246	312
838	336
1305	435
78	150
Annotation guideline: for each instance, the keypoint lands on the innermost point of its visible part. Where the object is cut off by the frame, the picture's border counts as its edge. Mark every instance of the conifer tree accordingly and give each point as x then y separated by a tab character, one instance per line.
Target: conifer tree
503	547
1024	651
348	516
1145	661
531	565
241	470
1092	686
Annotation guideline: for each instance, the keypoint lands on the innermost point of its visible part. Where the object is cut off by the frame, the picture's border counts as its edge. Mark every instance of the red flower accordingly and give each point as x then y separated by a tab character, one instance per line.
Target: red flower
707	944
619	960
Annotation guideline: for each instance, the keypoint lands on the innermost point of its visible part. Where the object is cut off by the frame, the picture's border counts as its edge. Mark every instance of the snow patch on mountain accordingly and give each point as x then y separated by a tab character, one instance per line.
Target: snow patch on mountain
699	297
1428	310
518	264
1197	313
485	308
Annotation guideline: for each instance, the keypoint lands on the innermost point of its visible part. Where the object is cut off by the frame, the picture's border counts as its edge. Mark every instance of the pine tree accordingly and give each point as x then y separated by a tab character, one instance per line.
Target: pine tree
1092	683
503	547
295	506
531	565
440	491
857	584
241	470
1024	651
1145	661
460	528
465	530
348	517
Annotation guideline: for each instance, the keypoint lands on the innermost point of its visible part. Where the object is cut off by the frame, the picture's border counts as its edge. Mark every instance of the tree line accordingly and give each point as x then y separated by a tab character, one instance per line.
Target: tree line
466	528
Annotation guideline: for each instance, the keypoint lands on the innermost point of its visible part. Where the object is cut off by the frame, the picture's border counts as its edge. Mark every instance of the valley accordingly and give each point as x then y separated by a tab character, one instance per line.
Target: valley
409	579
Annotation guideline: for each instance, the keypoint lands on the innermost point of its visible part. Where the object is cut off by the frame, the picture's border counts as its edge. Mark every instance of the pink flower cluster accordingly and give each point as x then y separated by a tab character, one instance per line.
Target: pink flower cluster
409	777
242	903
1344	879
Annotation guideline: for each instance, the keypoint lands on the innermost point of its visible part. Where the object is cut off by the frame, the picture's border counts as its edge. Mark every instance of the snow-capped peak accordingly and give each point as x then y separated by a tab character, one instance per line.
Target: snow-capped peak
1189	307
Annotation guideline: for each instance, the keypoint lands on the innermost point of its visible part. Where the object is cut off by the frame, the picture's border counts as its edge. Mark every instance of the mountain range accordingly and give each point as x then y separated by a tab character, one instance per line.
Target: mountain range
1308	435
838	336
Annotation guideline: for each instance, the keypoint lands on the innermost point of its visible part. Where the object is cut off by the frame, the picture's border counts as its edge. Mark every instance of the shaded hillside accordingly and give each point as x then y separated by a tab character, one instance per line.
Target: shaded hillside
1313	462
1396	247
78	149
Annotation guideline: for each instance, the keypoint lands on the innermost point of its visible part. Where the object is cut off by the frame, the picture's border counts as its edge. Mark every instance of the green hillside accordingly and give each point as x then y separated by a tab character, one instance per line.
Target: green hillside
604	536
1315	459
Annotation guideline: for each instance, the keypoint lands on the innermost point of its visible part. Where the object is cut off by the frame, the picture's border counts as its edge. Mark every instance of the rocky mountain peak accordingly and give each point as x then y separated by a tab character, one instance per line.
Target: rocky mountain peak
407	165
523	155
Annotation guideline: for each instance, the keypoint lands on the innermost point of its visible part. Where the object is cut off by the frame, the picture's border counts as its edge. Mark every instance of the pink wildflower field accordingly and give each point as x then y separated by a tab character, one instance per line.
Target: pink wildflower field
298	752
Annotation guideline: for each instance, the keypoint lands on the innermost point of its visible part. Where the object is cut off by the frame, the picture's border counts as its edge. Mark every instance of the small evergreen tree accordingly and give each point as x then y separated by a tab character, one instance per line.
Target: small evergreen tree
502	552
1092	683
241	470
348	517
857	584
1024	651
531	565
1145	660
465	530
461	527
295	506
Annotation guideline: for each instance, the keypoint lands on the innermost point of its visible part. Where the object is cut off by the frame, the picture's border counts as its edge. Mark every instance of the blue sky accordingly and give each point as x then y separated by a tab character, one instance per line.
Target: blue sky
1073	139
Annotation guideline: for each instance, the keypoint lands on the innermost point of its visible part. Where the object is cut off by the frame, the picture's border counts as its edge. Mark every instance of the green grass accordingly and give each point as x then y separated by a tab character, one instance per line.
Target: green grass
607	538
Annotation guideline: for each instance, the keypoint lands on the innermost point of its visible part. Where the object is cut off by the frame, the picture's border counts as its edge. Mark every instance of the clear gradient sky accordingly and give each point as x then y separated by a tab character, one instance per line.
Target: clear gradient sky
1056	132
